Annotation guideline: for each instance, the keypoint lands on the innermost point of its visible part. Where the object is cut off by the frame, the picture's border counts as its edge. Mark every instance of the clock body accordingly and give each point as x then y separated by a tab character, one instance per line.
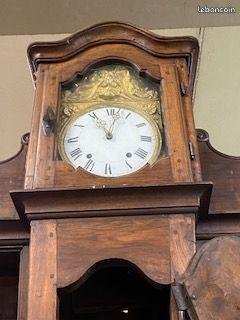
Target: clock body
112	109
112	172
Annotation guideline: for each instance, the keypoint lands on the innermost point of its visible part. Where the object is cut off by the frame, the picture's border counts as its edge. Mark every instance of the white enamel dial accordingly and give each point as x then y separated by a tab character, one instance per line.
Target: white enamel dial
110	141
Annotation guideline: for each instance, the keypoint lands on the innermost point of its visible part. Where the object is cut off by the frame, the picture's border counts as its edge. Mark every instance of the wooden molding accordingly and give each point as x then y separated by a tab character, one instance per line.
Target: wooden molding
13	234
224	171
24	142
74	203
115	32
203	136
12	172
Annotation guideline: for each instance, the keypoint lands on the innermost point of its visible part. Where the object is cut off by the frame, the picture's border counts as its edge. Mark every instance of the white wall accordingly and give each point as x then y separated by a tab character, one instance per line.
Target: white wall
217	95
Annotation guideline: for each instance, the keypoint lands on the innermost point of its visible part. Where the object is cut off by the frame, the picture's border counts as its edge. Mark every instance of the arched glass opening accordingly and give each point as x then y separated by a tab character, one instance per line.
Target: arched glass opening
115	292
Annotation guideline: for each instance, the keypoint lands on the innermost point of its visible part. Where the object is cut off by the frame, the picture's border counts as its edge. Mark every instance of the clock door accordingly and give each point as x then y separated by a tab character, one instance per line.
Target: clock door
106	124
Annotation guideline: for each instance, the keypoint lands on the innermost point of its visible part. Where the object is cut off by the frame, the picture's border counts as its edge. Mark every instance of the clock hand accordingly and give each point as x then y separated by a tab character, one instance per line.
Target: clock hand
115	117
102	125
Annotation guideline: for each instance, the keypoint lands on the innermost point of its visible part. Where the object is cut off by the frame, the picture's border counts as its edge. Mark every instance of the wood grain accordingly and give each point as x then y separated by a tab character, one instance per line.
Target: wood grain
224	172
143	241
188	114
182	243
154	56
23	284
212	279
115	32
42	294
177	141
12	173
67	203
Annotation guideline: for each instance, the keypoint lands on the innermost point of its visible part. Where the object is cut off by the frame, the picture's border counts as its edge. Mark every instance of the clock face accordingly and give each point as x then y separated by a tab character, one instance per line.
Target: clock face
110	141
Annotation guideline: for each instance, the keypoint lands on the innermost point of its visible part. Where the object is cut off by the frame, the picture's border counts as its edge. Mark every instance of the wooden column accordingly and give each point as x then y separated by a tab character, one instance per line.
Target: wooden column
42	297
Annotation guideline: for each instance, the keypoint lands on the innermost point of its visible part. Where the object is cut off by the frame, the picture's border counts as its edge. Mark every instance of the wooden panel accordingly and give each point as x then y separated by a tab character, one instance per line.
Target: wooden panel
188	112
12	173
182	243
224	172
212	279
144	241
216	225
36	125
23	284
182	249
42	295
174	122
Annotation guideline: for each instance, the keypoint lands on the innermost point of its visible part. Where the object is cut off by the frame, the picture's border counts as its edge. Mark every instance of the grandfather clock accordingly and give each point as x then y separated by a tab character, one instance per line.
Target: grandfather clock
113	184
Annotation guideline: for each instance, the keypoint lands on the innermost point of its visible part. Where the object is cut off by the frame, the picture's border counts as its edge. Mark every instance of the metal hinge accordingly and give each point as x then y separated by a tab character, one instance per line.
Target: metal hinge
185	309
191	150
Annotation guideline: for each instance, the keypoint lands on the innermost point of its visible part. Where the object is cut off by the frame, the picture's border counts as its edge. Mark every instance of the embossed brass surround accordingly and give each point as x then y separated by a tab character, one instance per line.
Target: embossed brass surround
112	85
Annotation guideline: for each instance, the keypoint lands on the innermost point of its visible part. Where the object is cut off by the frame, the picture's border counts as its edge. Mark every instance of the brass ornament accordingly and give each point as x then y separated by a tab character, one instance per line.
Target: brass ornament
113	85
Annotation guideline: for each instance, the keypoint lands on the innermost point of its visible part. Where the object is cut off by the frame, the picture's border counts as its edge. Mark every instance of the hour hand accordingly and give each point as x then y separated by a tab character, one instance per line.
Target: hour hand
101	124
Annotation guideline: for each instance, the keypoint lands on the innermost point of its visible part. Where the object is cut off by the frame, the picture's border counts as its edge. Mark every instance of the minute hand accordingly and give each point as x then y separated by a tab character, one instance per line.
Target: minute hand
115	117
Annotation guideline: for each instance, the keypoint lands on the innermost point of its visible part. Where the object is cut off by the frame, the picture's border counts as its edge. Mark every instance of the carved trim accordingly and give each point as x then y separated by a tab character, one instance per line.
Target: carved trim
24	142
81	278
41	204
115	32
101	62
203	136
13	235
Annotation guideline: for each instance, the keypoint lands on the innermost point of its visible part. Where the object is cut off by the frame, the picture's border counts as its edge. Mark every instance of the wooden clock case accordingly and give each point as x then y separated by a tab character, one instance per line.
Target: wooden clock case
147	220
170	63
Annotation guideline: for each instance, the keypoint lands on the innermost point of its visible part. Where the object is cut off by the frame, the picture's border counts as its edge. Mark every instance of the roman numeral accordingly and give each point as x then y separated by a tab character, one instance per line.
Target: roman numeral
93	115
146	138
141	153
108	169
89	165
128	115
139	125
112	112
76	153
128	164
74	139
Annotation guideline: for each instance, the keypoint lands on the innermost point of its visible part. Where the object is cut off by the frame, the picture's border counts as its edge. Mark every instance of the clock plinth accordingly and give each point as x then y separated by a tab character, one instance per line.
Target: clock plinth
73	231
113	174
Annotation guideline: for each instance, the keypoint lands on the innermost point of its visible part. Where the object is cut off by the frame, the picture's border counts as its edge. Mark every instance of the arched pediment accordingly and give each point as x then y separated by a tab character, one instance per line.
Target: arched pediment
118	33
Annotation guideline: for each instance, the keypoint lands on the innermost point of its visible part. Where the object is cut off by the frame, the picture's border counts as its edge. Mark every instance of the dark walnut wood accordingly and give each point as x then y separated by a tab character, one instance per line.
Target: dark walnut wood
76	203
172	61
64	253
224	171
144	241
12	172
217	225
212	279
